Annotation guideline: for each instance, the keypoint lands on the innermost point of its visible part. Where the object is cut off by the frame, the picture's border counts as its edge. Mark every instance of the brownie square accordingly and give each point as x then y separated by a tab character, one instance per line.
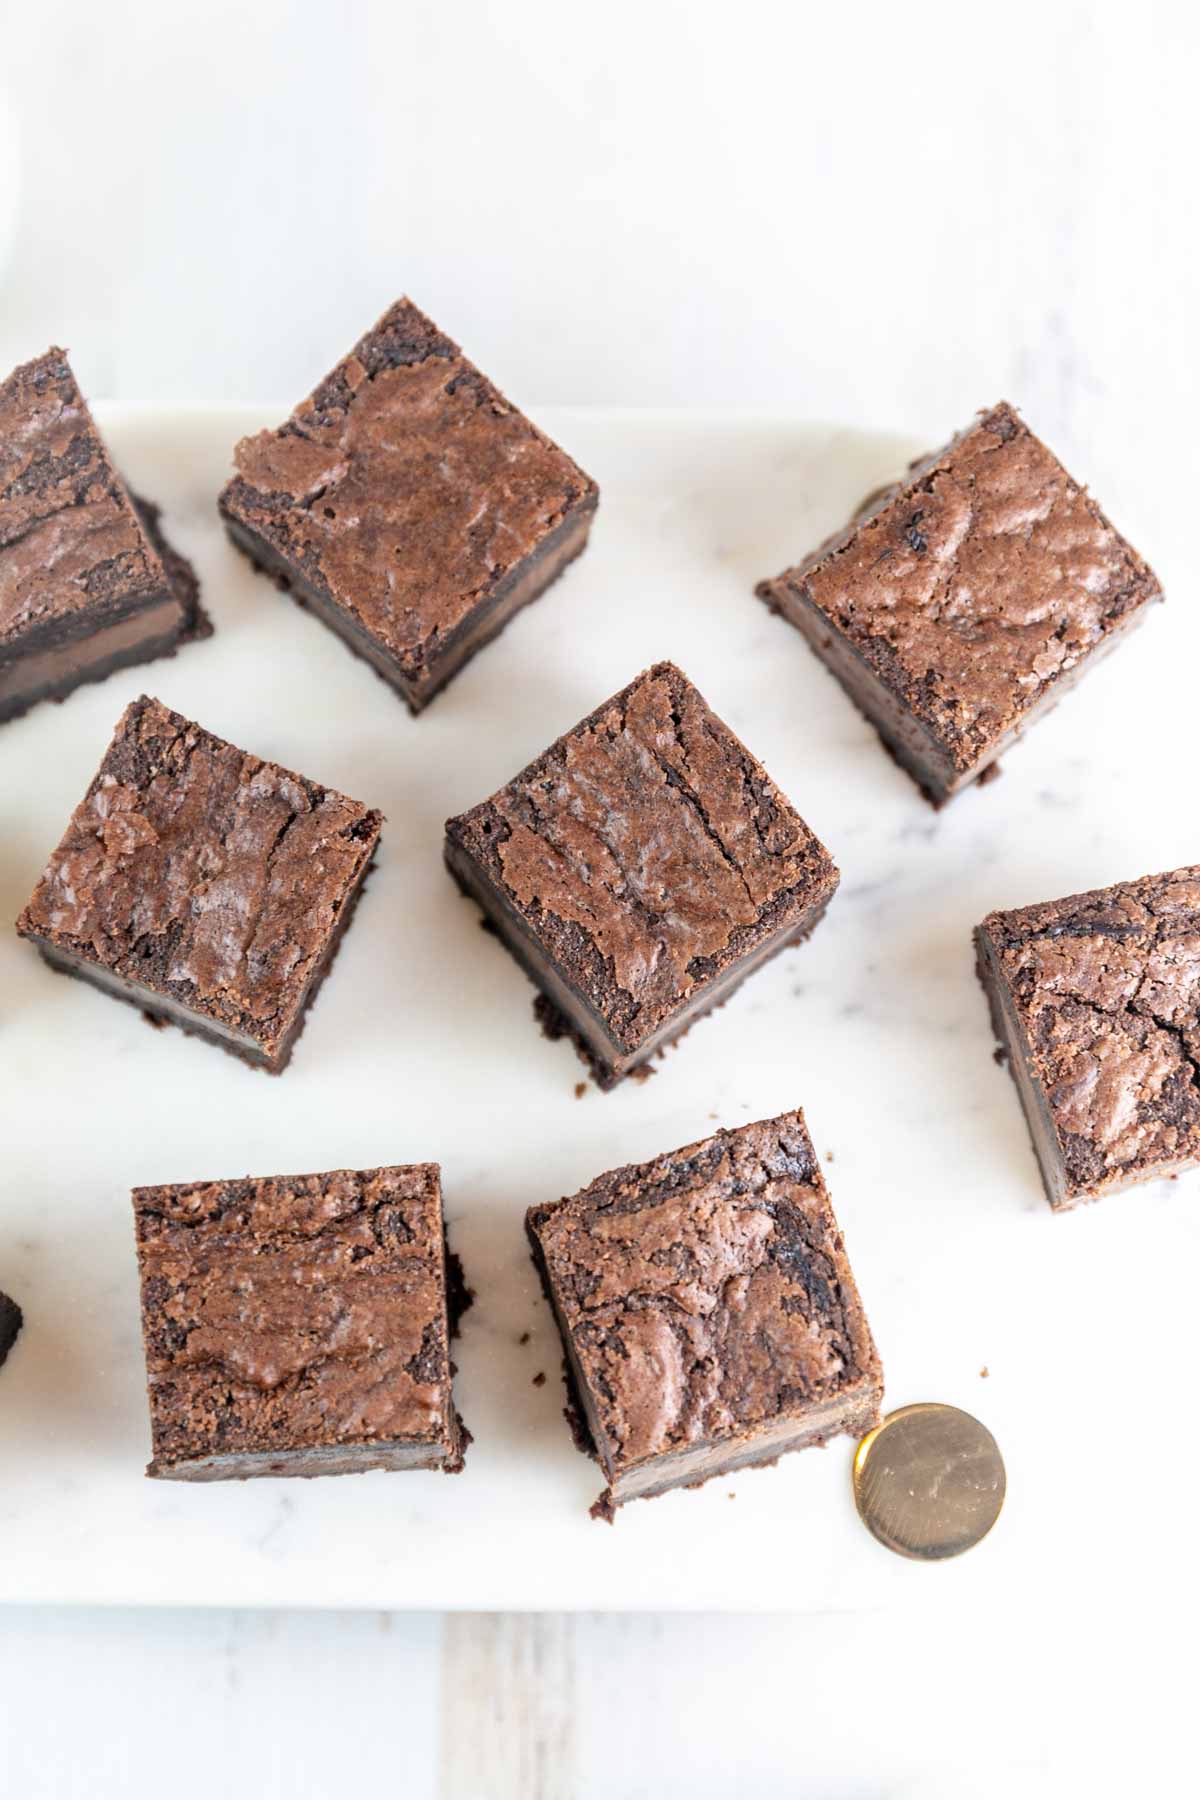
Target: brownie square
640	869
708	1310
962	603
202	884
11	1321
88	584
409	504
297	1325
1096	1002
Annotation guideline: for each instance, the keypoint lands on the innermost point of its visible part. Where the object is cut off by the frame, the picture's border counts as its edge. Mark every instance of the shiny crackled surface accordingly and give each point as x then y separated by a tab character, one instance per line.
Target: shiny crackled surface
976	586
70	539
1106	989
646	850
294	1313
707	1293
406	487
203	874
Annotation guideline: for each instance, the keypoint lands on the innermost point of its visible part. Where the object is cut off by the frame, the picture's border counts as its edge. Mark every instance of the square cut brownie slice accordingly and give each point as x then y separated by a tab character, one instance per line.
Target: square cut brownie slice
1096	1002
962	603
639	870
88	584
708	1310
203	884
297	1325
409	504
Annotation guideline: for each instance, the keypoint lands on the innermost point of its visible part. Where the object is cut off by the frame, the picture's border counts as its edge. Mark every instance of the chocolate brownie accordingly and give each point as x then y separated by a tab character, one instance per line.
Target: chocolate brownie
640	869
708	1310
297	1325
409	504
203	884
963	602
11	1321
1096	1002
88	584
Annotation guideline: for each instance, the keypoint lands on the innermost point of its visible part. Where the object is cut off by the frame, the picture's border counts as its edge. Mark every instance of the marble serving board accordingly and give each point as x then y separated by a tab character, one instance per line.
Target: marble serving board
1071	1336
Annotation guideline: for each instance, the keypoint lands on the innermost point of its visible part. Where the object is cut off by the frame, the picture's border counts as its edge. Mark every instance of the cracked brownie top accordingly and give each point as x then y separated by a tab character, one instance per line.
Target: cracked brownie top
976	584
405	487
708	1291
294	1312
70	538
646	851
1106	988
203	873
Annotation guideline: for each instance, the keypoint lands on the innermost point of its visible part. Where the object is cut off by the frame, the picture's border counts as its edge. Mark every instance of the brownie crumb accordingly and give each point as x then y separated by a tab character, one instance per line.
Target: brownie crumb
154	1020
539	1379
524	1338
993	772
580	1089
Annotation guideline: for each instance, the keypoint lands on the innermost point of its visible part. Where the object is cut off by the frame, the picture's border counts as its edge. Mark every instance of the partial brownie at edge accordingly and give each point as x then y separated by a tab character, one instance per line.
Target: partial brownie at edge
708	1310
960	604
409	504
640	868
297	1325
11	1321
203	884
1096	1001
88	584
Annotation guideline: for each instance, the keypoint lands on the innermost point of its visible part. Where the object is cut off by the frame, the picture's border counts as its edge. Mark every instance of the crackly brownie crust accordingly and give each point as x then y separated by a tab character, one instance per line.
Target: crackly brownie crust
708	1308
203	881
406	500
1096	998
11	1321
962	601
297	1325
646	856
88	583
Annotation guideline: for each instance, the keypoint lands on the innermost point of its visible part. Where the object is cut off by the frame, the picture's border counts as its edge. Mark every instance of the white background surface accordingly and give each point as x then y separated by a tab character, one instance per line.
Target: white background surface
877	215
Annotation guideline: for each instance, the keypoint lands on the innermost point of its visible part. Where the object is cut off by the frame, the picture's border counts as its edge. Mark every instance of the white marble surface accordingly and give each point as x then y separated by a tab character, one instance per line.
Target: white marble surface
422	1046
